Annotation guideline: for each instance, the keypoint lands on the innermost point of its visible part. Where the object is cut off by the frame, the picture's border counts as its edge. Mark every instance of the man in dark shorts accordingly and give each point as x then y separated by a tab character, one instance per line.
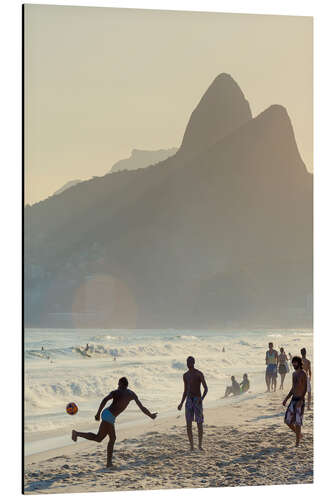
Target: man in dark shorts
294	414
271	367
121	398
193	379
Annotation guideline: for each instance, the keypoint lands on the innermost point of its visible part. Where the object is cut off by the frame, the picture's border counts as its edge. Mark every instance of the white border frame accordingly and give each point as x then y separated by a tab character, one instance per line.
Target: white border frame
10	95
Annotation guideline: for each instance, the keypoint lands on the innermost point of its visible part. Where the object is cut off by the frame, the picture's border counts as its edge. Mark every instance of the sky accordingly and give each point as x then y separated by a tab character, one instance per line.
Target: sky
100	82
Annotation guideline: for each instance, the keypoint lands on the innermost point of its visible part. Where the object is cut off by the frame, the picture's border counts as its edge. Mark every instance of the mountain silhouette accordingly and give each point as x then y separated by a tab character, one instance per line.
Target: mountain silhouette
218	234
141	158
221	110
67	186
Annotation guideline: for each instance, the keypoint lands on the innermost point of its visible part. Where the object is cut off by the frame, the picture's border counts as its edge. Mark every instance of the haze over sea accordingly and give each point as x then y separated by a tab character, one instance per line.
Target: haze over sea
152	360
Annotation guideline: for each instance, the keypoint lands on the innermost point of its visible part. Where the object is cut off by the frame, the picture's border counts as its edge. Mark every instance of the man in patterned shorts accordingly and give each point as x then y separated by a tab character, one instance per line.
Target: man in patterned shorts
294	414
193	379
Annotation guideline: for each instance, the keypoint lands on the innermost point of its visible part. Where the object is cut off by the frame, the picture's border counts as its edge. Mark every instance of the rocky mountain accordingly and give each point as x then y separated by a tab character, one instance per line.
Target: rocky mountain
221	110
218	234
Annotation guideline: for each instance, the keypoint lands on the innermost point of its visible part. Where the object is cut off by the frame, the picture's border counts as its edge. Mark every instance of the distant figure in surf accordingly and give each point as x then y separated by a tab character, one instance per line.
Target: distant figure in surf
46	356
121	398
307	368
234	388
193	379
223	350
245	384
283	366
271	367
294	414
86	348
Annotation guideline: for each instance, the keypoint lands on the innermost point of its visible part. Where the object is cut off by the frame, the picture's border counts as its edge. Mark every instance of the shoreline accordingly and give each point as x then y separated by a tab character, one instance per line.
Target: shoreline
44	440
245	442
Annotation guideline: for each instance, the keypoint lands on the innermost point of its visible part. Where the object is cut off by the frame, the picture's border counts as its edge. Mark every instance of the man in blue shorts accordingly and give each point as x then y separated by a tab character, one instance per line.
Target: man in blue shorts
193	379
121	398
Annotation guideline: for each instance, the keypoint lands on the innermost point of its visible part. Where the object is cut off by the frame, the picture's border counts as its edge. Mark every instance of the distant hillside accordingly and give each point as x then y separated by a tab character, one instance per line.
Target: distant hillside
141	159
67	186
138	159
218	234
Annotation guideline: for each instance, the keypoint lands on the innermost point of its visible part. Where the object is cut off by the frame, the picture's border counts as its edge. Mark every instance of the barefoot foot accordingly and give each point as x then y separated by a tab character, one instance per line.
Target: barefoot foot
298	440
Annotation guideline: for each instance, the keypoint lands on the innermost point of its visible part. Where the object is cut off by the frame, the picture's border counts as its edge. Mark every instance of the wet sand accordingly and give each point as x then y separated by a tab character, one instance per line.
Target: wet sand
245	443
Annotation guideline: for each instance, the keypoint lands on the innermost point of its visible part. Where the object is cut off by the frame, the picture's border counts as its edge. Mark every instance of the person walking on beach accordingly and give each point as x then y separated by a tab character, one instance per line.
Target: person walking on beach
121	398
283	366
193	379
234	388
294	414
271	367
307	368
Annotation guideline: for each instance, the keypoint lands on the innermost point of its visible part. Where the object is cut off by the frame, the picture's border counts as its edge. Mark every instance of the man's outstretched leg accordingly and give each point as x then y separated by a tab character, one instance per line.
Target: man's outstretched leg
200	434
103	430
112	439
190	434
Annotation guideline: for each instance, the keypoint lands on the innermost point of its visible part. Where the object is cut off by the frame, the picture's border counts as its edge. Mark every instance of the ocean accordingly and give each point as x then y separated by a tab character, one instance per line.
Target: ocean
152	360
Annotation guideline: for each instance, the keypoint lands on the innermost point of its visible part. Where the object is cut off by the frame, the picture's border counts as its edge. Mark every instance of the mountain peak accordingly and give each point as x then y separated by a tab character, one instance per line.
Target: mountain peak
276	110
275	125
221	110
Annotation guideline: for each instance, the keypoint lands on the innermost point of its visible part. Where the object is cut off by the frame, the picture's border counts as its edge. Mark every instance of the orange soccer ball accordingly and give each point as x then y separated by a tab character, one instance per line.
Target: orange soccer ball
72	408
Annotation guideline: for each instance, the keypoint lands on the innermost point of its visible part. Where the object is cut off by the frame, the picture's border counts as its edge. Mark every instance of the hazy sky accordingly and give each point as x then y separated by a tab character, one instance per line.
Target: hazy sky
102	81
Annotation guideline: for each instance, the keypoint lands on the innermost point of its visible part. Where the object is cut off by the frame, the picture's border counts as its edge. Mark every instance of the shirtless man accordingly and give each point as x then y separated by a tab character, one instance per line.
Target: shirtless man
193	379
121	398
271	367
307	369
294	414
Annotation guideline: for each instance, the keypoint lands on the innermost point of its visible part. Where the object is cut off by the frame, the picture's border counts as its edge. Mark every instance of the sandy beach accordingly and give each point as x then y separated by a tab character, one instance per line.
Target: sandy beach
245	443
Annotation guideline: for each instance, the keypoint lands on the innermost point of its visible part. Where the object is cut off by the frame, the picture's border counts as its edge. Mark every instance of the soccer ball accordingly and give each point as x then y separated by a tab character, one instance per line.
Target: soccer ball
72	408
